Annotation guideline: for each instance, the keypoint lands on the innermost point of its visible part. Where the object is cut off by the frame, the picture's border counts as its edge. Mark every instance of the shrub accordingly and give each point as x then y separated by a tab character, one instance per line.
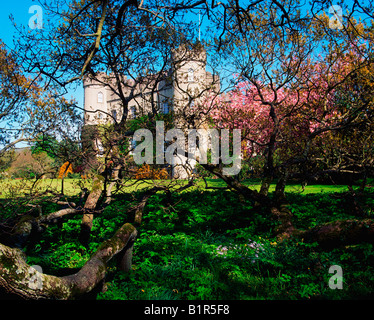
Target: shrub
147	172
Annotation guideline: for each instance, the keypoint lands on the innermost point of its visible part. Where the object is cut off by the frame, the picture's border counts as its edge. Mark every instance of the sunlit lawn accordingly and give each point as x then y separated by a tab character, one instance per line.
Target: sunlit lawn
12	188
292	188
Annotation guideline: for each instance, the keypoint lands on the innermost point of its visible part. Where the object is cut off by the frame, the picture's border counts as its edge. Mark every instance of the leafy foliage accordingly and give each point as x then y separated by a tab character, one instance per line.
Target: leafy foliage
65	169
216	248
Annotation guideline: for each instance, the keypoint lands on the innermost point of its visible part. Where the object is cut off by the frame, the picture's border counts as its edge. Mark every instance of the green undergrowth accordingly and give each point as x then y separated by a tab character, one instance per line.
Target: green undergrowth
212	245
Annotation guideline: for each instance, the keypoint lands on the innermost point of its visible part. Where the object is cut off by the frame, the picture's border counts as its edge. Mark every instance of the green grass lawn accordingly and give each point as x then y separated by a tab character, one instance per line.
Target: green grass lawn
291	188
10	188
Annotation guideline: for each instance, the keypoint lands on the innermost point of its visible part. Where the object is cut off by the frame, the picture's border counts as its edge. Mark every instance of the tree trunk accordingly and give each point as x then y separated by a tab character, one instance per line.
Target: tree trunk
125	256
234	184
340	232
62	185
280	196
89	207
329	235
114	177
265	185
19	279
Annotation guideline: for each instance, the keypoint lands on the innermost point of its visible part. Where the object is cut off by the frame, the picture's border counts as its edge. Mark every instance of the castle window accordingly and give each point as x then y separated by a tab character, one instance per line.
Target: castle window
100	97
165	108
132	112
114	115
190	75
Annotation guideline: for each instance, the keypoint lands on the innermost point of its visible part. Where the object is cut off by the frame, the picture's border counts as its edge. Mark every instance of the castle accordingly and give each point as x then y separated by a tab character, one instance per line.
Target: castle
178	89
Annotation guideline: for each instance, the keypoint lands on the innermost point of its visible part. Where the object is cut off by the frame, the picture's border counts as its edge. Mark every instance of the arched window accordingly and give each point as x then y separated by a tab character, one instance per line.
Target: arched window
190	75
100	97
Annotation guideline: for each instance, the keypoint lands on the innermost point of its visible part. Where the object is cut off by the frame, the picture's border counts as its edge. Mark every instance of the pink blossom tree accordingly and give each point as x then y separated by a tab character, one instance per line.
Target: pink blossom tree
285	125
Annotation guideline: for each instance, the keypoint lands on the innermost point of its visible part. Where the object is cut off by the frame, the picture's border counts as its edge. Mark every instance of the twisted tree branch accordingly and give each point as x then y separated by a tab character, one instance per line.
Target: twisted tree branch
20	279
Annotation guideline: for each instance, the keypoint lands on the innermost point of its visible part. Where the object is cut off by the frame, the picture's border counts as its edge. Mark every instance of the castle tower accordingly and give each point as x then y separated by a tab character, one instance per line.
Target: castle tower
95	113
95	101
189	82
189	75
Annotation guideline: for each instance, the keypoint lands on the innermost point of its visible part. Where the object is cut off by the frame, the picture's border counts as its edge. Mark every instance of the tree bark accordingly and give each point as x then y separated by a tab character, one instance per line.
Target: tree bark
329	235
89	207
280	196
19	279
114	177
340	232
124	259
265	185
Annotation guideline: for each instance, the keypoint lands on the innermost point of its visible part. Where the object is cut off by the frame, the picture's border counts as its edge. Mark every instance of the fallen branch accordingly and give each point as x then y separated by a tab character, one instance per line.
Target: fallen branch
340	232
328	235
20	279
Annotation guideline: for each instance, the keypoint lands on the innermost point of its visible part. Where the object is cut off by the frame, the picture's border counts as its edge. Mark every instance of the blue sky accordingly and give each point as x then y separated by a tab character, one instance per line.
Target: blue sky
20	11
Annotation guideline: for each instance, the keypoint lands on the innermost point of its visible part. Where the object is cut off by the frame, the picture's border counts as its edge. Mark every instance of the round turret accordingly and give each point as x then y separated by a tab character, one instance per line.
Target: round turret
95	101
